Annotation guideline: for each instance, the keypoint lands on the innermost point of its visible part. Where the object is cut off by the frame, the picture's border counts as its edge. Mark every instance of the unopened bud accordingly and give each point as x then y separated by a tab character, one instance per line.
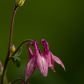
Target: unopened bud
12	48
19	2
1	67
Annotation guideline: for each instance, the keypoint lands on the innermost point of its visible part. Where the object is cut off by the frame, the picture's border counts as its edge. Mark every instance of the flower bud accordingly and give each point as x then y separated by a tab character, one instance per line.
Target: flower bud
1	66
19	2
12	48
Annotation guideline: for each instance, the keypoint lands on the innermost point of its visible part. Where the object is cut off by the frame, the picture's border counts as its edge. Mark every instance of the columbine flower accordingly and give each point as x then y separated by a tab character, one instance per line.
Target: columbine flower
36	59
51	57
41	60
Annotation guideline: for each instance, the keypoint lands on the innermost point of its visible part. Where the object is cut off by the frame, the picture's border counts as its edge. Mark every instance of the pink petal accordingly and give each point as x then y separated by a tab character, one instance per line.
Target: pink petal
30	67
46	46
42	65
58	60
41	62
29	49
52	65
46	52
50	60
36	52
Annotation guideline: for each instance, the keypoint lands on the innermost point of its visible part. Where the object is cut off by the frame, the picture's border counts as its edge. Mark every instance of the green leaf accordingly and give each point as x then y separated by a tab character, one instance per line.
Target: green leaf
1	73
18	52
16	61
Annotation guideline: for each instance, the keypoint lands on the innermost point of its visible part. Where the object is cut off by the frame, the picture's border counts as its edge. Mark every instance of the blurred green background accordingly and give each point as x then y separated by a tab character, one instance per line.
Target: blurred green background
61	23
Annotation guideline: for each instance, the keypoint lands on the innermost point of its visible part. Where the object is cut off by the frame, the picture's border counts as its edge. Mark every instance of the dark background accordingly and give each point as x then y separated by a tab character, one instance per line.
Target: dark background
61	23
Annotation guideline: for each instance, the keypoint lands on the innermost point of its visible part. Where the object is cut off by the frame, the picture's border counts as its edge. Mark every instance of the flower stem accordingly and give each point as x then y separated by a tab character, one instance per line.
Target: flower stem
10	41
21	45
17	80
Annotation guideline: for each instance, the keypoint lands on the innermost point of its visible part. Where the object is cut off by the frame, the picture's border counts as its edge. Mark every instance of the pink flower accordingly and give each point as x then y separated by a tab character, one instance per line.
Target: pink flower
35	59
41	60
51	57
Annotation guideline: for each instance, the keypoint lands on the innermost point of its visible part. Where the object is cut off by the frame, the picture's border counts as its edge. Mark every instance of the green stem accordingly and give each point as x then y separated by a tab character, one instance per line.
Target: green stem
10	41
5	80
21	45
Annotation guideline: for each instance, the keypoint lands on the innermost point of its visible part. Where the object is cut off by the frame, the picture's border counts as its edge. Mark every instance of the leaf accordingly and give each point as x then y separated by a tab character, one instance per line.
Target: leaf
16	61
1	73
18	52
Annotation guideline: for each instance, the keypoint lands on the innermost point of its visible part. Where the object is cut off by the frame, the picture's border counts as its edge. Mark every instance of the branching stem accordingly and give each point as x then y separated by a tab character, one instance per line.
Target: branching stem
10	41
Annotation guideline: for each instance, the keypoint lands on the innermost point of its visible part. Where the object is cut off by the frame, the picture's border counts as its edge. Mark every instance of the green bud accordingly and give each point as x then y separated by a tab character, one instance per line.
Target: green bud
12	48
19	2
1	68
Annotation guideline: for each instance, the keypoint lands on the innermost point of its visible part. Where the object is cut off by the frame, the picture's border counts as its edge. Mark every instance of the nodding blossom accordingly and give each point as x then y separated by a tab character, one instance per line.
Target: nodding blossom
41	60
51	57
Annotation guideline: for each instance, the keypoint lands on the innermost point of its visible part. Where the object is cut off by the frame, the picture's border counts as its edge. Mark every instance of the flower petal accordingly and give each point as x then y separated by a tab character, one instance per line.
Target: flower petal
41	62
57	60
29	50
42	65
47	53
30	67
53	64
46	46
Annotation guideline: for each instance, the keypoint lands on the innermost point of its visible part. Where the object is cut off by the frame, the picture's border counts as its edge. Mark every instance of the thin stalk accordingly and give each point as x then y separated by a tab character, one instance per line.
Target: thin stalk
18	80
5	80
21	45
10	41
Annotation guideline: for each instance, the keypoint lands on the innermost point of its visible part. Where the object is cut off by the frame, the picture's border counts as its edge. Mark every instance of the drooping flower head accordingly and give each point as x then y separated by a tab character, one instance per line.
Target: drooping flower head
41	60
35	59
30	67
51	57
